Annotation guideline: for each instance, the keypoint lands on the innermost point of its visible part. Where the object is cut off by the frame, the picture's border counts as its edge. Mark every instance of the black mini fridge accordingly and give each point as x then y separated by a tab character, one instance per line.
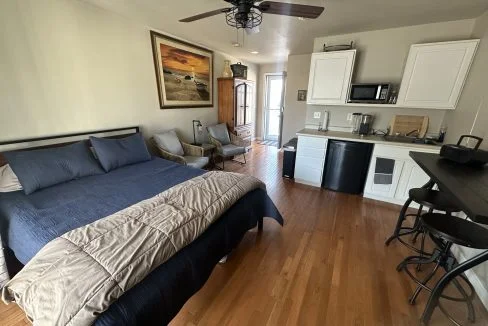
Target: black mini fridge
346	166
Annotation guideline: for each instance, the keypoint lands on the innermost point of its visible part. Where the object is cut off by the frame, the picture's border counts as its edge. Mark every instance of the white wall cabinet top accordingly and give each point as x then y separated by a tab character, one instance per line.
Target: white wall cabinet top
435	73
330	77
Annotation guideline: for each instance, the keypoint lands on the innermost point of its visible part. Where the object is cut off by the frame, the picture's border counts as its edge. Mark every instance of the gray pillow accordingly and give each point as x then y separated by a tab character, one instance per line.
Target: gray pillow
38	169
116	153
169	142
220	133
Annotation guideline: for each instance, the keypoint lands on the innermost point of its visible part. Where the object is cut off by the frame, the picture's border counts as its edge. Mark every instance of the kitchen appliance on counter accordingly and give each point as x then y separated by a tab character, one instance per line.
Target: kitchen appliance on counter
369	93
346	166
366	124
465	155
356	122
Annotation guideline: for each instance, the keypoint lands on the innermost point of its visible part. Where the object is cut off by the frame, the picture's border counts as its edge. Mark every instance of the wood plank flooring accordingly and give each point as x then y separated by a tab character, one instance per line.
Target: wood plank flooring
327	266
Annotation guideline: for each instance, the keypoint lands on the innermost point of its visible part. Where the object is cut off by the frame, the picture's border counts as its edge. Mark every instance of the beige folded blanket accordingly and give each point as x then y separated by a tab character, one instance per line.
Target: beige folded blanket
78	275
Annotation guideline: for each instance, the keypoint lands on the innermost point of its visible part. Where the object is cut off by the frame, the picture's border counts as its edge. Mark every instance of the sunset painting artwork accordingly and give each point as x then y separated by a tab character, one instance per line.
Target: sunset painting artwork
184	73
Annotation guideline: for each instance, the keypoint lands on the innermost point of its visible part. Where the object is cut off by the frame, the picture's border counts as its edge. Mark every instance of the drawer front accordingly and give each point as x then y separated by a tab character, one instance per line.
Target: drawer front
310	162
304	172
244	133
311	152
399	152
312	142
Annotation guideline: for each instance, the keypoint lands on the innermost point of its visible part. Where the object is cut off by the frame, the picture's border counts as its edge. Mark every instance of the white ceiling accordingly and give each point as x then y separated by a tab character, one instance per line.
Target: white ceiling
281	35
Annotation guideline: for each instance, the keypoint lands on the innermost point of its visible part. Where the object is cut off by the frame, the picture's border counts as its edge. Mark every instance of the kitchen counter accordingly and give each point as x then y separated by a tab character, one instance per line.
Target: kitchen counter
347	136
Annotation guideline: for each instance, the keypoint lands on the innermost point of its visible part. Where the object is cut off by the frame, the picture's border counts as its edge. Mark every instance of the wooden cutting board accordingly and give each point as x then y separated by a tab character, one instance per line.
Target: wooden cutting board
404	124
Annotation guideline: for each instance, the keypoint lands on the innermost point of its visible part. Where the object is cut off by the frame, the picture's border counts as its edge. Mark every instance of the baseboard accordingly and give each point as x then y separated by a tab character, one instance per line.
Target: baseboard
475	280
391	200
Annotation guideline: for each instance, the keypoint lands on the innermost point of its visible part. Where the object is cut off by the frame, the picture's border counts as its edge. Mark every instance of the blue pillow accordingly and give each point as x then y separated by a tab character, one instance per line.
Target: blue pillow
116	153
41	168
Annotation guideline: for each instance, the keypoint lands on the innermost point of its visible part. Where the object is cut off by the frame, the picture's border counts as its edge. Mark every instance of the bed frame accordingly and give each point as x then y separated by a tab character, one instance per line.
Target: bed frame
206	265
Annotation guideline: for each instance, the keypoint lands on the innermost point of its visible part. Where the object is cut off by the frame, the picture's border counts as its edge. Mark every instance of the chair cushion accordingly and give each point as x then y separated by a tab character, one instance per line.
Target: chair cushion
196	161
169	142
116	153
220	133
231	150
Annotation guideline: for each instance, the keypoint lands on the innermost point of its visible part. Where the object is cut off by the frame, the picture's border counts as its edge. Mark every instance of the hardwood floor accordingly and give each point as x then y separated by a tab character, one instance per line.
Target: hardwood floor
327	266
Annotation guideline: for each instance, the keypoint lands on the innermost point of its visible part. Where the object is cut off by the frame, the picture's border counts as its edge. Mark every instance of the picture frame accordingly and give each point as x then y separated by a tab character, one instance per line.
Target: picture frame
184	73
302	95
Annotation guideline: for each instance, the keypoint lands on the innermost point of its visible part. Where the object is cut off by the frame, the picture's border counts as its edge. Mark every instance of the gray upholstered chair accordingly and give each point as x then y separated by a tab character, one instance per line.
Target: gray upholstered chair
227	144
171	148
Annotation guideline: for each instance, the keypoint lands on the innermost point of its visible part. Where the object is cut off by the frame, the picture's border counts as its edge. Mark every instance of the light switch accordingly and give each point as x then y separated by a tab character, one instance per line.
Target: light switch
316	115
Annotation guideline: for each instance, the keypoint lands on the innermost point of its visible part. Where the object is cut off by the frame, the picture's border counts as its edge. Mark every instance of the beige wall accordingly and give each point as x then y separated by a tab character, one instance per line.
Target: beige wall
295	111
474	96
380	58
272	68
70	66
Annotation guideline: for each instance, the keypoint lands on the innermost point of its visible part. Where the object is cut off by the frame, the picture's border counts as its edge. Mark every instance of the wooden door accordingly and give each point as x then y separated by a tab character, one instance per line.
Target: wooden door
249	106
240	103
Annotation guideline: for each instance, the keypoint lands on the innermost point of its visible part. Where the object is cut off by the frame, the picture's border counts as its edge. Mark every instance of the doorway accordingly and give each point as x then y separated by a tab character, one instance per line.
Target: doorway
273	108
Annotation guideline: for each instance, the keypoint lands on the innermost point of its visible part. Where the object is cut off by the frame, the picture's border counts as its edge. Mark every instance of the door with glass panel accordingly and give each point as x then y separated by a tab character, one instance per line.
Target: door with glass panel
273	107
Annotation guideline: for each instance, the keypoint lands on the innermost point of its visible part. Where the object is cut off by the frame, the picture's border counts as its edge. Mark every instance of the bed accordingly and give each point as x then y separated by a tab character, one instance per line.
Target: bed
28	222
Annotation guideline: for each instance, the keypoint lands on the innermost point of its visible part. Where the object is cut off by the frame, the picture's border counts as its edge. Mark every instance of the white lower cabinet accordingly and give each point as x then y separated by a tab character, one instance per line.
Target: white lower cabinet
392	173
412	177
309	165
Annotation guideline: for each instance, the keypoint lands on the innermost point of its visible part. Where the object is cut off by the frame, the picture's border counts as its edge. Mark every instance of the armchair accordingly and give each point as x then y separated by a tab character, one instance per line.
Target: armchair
227	144
171	148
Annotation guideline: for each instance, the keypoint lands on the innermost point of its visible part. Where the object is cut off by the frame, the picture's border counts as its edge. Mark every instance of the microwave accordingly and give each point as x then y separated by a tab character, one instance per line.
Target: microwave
369	93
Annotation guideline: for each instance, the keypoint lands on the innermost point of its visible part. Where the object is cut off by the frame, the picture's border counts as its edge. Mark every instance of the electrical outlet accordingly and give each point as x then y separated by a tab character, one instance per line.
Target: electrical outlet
349	117
316	115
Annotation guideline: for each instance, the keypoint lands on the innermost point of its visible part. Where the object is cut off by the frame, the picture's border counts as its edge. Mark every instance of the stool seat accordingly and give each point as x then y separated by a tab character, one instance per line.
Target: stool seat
434	199
456	230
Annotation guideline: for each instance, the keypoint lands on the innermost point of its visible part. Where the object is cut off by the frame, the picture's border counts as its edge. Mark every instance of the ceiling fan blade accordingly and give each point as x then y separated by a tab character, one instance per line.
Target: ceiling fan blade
205	15
289	9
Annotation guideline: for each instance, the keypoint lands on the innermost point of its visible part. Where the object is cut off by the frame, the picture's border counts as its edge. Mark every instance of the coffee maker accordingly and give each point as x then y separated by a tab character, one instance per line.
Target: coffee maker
366	124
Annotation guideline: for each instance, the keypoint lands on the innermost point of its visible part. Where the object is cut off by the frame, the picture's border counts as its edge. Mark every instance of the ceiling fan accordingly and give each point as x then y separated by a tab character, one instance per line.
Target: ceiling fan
247	14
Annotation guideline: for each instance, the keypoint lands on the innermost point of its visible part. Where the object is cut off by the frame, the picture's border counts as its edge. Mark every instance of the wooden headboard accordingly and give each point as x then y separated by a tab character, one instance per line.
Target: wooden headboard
61	140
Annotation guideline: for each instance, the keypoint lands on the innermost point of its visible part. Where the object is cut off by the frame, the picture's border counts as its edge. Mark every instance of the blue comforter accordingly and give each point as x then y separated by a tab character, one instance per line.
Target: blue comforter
28	222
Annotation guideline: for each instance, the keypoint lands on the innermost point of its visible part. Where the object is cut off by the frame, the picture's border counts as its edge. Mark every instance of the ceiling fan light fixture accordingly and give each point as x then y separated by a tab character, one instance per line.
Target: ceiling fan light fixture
239	19
254	52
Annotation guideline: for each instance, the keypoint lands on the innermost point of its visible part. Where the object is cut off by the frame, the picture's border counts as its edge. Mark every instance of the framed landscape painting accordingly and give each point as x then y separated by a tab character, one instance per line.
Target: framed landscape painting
184	73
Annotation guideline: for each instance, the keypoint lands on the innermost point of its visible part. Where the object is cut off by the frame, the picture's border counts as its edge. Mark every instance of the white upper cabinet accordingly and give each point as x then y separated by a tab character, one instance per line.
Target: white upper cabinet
330	77
435	73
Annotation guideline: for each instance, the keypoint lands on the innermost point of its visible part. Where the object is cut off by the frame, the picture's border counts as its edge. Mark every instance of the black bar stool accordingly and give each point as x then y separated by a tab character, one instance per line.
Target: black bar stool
425	197
446	230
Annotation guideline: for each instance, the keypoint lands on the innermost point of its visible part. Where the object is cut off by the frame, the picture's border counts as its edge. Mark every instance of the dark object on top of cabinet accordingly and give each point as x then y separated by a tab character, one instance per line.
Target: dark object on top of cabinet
239	70
346	166
237	106
338	47
465	155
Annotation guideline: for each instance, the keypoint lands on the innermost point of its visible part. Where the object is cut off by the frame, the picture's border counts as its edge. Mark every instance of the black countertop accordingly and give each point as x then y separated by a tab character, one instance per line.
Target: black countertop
467	185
